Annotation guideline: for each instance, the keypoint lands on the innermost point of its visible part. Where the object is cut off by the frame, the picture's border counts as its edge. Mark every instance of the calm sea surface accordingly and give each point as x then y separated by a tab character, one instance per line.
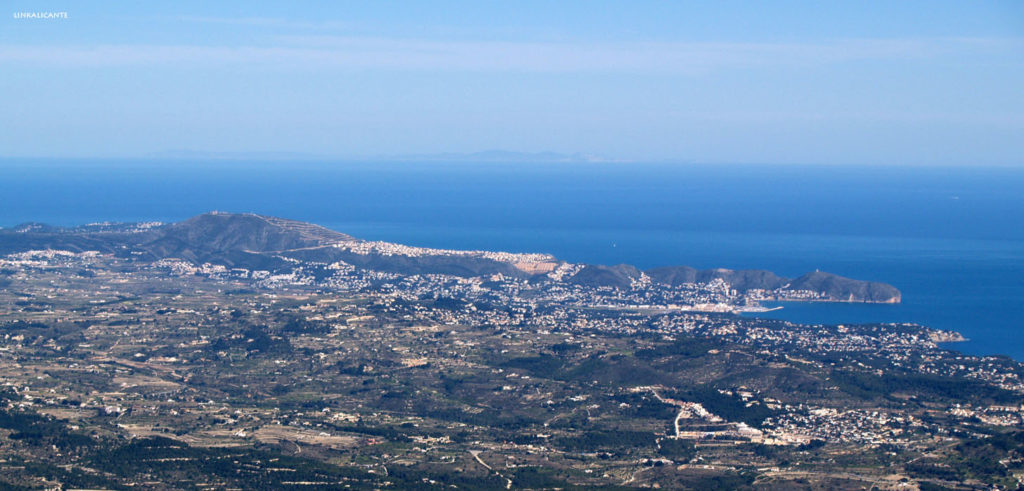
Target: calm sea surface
952	239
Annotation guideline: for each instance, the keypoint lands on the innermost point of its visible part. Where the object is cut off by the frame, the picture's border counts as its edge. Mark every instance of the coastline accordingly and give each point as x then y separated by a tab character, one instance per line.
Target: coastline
757	308
831	300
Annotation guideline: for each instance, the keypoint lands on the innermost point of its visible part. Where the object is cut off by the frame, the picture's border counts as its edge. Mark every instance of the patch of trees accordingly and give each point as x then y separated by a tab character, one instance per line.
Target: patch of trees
543	365
869	386
34	429
536	478
721	481
171	460
729	407
644	405
70	477
688	348
616	370
978	458
677	450
565	348
591	441
296	325
20	325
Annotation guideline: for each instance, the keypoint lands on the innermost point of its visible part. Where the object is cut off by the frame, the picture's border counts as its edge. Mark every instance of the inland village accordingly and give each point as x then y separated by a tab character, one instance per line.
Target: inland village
245	351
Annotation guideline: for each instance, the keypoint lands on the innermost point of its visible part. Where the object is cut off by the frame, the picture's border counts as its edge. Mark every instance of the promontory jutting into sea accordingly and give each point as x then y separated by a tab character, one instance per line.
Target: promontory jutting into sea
941	239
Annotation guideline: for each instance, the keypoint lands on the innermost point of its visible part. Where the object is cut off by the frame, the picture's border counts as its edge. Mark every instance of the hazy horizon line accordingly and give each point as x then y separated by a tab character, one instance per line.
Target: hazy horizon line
467	158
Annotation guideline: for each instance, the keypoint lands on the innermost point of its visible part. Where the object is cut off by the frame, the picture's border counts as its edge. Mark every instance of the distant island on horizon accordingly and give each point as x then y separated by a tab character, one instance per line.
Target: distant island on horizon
483	156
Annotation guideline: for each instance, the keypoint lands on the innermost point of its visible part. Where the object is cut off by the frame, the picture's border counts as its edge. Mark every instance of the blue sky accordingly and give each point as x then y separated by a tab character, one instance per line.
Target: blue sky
896	83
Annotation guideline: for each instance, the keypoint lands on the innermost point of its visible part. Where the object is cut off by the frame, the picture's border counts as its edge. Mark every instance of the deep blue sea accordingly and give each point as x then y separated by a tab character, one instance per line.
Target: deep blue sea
952	239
